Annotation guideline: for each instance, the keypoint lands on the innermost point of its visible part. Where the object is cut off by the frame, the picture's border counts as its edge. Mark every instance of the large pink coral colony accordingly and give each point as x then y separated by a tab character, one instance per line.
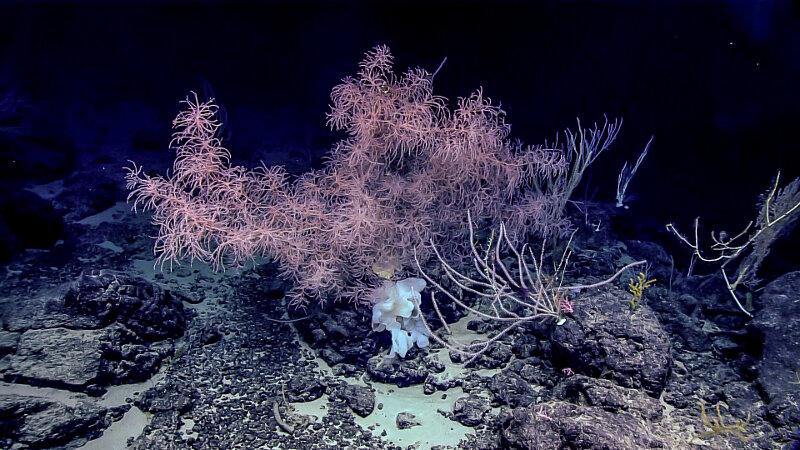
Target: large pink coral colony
407	173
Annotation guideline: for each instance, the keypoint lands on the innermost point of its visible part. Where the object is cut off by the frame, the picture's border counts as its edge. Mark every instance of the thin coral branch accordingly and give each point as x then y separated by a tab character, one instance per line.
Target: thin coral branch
535	296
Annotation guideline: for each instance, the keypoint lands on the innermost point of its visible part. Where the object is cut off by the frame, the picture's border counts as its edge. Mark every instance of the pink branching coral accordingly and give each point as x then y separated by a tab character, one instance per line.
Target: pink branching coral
407	172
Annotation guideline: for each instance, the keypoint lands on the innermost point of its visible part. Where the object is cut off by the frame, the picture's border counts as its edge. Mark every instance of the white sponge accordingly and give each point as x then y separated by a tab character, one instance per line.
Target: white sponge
396	309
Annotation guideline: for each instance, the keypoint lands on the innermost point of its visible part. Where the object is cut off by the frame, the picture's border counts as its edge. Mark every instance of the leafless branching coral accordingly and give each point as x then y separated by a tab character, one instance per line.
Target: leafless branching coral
778	208
513	292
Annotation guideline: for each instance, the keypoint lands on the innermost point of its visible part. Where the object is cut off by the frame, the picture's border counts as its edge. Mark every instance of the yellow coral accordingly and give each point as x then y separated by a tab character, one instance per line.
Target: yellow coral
718	426
637	288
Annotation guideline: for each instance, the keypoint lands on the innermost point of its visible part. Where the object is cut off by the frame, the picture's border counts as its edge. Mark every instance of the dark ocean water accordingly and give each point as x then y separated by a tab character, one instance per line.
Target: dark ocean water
714	82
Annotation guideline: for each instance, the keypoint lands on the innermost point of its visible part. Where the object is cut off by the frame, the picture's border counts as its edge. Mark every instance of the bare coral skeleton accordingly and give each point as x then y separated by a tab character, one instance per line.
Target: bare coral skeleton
516	293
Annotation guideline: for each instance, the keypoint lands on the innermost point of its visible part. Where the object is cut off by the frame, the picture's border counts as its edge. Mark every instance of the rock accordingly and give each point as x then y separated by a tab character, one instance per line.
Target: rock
39	158
689	329
167	398
564	425
534	372
469	410
406	420
88	192
340	334
8	342
526	346
511	389
654	253
332	357
58	357
496	356
105	328
304	389
360	399
603	336
605	394
29	221
401	372
98	298
38	423
778	324
209	335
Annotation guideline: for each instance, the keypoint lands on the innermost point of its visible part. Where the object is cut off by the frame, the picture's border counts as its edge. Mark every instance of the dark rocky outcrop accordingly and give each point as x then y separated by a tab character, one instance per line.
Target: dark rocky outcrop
559	424
604	337
778	324
106	328
470	410
34	422
360	399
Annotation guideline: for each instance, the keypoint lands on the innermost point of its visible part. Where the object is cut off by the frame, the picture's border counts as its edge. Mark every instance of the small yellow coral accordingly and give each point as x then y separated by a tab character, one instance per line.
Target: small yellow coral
718	426
637	288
